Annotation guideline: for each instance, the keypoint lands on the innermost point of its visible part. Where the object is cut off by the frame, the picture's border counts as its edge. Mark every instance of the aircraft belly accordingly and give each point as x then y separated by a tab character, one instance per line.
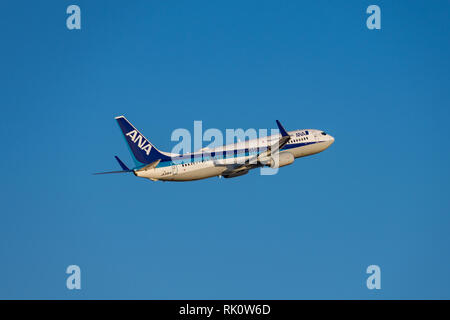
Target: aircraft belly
201	173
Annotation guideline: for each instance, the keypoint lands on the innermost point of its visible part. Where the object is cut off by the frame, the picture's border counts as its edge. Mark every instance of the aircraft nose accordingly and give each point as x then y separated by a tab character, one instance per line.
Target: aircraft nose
331	139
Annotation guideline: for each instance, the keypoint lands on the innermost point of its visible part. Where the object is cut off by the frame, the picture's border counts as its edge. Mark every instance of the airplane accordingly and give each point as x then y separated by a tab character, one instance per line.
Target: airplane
228	161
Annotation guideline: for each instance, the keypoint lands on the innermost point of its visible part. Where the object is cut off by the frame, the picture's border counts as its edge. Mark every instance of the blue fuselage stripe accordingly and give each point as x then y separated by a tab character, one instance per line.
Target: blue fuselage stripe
220	155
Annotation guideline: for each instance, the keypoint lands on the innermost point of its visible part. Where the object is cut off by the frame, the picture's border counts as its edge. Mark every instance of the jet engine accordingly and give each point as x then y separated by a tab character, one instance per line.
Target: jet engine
235	174
281	159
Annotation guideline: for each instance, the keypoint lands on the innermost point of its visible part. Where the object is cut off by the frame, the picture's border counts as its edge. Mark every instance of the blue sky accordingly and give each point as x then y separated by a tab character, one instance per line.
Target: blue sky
379	195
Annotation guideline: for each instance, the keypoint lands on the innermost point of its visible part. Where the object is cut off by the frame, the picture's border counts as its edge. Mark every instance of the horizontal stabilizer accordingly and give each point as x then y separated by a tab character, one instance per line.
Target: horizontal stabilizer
121	164
122	171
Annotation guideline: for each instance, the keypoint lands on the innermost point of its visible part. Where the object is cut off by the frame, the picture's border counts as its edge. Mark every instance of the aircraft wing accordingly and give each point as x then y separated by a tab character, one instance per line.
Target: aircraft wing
259	159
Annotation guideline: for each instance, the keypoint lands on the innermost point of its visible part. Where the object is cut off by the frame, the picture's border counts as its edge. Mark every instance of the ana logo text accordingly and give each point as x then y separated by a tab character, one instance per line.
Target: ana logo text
140	140
303	133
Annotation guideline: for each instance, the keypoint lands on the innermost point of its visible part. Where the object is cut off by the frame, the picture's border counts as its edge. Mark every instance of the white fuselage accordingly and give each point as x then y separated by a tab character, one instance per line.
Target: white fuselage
193	166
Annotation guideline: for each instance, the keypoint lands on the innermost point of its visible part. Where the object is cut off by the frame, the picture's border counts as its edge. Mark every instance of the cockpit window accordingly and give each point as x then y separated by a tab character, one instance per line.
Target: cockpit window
324	133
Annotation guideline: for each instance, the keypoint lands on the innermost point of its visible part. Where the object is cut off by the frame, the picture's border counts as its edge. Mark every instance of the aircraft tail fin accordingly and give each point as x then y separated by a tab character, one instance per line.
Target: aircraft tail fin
121	164
142	151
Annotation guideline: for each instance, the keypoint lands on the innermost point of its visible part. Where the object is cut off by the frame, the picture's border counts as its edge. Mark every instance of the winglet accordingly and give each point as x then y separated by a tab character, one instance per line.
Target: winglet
282	130
122	165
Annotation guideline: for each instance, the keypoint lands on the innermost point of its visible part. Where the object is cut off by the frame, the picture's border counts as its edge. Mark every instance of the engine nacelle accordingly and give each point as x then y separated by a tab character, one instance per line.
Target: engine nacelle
280	160
235	174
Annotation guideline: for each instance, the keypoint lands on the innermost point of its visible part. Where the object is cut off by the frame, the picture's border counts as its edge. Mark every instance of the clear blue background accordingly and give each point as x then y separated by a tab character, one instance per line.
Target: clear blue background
379	195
